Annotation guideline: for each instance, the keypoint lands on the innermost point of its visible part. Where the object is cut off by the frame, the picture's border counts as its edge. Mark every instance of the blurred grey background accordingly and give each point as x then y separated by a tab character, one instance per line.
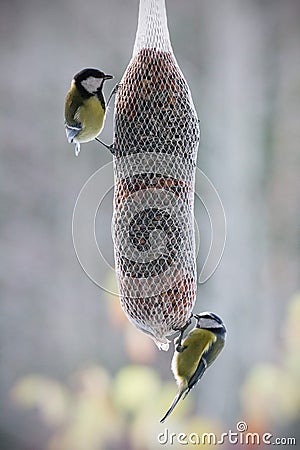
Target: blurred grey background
61	334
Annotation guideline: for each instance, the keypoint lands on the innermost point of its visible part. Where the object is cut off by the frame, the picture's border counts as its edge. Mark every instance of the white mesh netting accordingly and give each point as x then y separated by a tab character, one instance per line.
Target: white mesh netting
156	135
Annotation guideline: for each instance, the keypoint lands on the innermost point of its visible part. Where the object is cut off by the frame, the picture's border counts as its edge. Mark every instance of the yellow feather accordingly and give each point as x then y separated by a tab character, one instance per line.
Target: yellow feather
184	364
91	116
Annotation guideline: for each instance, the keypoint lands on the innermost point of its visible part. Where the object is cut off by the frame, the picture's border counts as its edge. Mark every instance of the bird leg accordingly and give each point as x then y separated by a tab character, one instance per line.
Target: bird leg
179	347
109	147
113	92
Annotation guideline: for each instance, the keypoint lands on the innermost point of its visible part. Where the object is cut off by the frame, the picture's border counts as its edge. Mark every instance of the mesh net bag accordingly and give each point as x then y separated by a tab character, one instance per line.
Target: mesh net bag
156	135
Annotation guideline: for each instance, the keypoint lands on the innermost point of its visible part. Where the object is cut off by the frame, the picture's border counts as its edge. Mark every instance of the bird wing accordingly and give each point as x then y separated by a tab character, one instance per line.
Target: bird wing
197	375
72	105
201	368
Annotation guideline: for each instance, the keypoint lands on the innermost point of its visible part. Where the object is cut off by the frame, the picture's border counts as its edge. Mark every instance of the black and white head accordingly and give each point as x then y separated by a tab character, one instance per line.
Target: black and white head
210	321
90	81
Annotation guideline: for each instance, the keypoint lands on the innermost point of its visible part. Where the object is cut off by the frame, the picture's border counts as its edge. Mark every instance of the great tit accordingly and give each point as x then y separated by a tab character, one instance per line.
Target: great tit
196	353
85	107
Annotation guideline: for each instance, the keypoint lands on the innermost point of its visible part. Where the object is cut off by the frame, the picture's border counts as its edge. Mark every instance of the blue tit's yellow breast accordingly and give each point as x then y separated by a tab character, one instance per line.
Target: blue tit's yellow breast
91	116
185	363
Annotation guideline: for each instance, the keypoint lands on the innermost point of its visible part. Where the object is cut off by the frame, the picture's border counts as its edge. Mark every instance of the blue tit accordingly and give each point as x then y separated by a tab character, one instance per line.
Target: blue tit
85	107
196	353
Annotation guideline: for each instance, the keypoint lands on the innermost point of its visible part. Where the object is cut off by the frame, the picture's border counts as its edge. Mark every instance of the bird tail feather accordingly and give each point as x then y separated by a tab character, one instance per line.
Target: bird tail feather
174	403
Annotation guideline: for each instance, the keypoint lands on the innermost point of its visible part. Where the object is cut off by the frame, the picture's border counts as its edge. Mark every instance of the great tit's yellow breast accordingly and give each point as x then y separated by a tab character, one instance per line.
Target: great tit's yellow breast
185	363
91	116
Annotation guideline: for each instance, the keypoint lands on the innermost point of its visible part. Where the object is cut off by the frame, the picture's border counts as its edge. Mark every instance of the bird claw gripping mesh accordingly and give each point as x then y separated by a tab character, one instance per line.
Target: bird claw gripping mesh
156	135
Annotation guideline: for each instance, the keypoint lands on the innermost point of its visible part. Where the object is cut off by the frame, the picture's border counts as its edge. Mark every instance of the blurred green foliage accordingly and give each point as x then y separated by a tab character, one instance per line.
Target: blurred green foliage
270	395
95	410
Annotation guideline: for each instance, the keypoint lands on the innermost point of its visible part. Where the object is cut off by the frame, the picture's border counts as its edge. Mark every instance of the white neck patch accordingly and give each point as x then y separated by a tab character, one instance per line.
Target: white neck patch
92	84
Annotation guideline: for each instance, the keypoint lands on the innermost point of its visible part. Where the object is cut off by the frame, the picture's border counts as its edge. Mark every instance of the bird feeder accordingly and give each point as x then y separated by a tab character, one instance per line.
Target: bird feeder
156	136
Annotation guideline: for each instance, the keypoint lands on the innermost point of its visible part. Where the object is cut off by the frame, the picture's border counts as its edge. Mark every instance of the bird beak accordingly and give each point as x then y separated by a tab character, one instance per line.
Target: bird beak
108	77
